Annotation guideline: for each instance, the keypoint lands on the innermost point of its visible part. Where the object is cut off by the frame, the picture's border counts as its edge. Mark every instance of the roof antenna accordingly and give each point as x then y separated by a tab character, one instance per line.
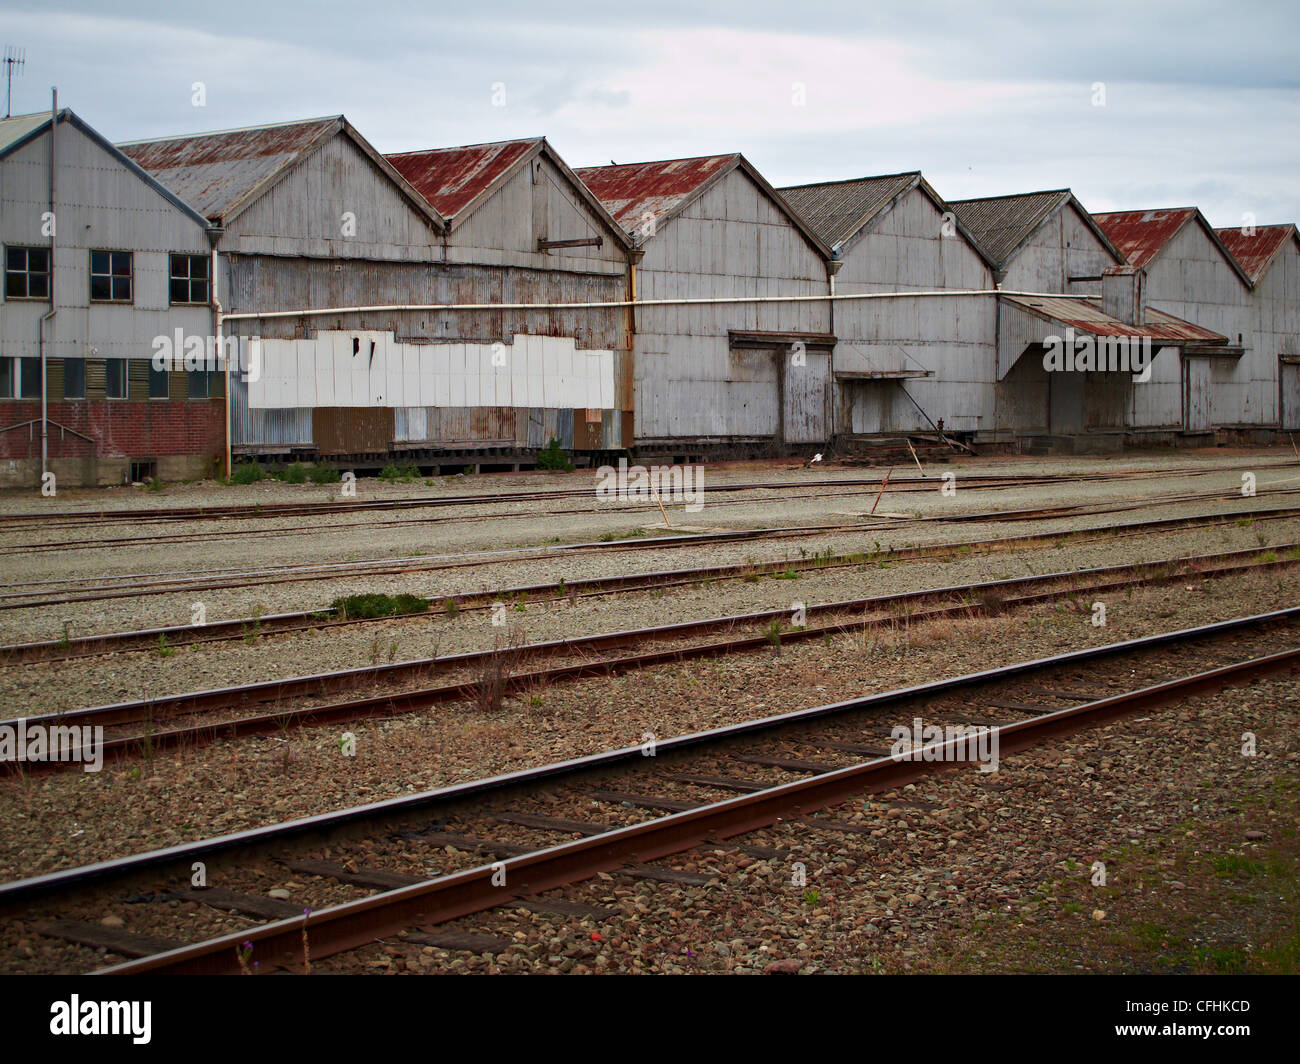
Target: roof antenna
14	57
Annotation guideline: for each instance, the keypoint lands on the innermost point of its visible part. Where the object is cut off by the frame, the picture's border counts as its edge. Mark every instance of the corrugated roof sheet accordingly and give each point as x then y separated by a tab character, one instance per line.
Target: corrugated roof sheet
1142	235
1087	316
1255	253
1000	224
16	128
630	191
215	171
451	178
838	210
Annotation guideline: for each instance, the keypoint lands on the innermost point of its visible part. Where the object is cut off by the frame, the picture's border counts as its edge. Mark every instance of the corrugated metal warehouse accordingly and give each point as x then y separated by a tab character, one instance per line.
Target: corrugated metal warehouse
469	304
724	377
1191	274
904	365
99	260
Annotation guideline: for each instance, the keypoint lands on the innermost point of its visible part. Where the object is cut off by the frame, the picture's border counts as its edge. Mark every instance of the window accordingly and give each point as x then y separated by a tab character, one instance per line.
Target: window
27	273
20	378
115	378
157	383
189	279
110	276
30	373
198	384
74	378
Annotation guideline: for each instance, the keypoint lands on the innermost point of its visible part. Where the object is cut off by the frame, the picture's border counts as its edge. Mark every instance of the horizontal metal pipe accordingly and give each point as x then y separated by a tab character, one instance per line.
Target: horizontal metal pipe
250	315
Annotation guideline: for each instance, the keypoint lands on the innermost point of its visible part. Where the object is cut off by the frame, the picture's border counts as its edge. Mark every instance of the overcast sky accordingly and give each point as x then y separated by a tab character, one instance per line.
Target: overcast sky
1201	99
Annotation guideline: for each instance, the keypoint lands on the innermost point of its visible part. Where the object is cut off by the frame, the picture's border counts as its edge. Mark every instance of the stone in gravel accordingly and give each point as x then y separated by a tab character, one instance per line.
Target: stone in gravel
1099	914
280	893
786	967
112	921
1256	835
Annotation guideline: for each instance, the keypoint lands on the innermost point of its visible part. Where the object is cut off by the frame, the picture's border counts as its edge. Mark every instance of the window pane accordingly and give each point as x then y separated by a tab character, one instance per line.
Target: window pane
15	258
115	378
74	378
6	378
15	285
157	383
38	260
38	285
122	263
122	288
30	378
100	287
99	262
198	384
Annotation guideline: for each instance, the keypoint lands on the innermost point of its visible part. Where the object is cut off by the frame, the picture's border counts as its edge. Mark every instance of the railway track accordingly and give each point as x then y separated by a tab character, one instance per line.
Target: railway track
37	594
408	867
191	719
242	511
243	628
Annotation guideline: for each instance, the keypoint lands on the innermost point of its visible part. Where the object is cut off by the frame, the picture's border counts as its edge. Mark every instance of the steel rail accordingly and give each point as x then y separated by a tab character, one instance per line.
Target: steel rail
321	683
379	706
354	924
300	620
279	509
51	883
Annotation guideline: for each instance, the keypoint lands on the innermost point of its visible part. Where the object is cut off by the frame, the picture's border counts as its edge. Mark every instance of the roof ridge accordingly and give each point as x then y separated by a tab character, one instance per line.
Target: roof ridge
848	180
466	147
237	129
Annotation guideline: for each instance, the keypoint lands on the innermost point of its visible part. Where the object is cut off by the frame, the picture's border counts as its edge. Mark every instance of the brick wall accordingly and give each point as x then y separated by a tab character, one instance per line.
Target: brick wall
120	428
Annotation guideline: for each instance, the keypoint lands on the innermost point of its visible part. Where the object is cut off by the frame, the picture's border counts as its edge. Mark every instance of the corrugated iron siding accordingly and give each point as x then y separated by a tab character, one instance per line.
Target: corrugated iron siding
265	428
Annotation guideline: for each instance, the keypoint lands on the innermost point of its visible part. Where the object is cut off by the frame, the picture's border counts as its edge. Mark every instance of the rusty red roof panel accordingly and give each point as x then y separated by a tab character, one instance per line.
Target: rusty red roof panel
450	178
1087	316
214	171
1142	235
630	191
1254	253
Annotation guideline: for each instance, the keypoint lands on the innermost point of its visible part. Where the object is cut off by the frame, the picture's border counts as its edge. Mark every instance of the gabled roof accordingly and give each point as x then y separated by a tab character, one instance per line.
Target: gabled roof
663	188
1143	235
1001	225
841	211
457	181
1087	316
223	173
454	178
1255	253
21	129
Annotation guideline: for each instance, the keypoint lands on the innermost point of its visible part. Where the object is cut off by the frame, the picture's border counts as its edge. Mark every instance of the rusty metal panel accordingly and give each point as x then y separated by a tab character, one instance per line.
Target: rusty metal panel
352	430
1142	235
638	193
1255	250
451	178
214	171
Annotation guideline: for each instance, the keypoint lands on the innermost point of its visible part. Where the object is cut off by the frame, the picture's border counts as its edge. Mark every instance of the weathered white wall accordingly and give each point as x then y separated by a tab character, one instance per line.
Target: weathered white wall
1192	280
904	249
536	203
100	204
1061	248
732	241
343	369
